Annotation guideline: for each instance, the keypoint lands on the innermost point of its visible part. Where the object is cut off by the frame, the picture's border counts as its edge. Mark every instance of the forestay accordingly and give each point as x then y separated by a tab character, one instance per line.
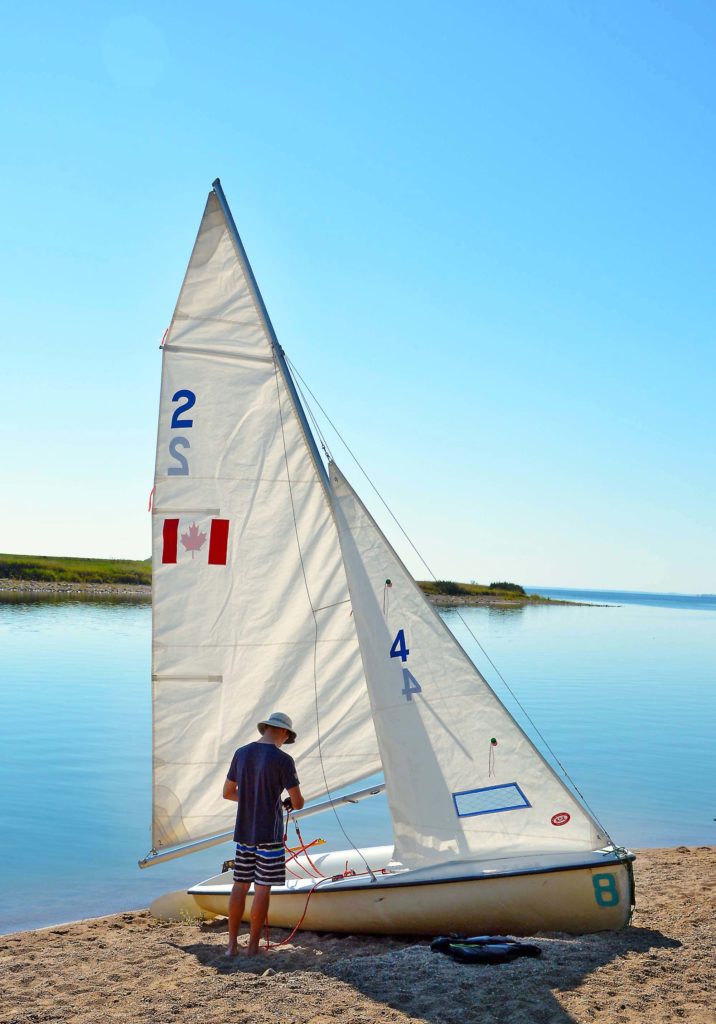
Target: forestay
453	793
251	610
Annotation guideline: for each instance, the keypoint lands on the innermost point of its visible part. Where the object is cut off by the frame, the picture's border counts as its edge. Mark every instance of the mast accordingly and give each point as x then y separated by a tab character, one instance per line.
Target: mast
277	350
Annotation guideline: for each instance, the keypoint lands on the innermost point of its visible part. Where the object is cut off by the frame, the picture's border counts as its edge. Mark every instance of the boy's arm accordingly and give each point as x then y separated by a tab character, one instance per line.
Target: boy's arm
231	791
296	797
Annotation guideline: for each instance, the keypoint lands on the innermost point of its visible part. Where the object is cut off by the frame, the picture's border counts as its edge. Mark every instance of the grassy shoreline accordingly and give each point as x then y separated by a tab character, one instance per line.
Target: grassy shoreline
57	569
58	574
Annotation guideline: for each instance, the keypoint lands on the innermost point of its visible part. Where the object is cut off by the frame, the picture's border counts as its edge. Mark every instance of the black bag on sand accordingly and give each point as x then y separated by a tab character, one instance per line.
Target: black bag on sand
483	949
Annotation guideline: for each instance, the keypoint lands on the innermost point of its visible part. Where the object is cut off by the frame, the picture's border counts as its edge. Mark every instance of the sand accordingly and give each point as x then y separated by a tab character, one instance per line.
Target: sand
130	968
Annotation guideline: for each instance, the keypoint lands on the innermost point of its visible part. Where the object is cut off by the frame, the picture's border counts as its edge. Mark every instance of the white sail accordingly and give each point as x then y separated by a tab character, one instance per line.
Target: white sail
453	793
251	610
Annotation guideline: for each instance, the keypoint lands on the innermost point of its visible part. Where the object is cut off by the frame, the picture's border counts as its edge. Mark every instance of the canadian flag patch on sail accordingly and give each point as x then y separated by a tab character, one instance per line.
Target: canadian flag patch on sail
194	539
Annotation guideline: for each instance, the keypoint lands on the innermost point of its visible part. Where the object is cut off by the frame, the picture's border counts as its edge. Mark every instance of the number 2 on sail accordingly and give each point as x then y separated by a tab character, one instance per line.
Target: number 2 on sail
182	467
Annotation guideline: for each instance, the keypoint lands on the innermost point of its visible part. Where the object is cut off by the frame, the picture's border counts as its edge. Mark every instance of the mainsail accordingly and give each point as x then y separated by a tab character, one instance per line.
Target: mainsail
462	778
251	610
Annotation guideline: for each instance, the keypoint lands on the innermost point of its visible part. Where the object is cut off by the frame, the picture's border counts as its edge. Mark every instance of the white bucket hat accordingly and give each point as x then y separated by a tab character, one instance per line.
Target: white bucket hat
279	721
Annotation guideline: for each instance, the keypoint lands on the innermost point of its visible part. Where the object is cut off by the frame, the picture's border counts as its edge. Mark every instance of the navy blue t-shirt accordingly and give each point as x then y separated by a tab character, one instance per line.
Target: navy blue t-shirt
261	772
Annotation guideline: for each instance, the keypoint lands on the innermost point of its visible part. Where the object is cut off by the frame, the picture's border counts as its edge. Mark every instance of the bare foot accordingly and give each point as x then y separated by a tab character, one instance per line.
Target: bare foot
259	951
231	951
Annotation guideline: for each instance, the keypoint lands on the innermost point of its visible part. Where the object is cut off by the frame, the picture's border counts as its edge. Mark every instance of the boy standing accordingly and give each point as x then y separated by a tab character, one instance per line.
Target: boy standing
258	774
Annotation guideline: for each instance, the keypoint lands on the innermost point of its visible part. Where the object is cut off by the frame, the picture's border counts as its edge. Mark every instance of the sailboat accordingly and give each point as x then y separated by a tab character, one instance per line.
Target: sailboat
273	587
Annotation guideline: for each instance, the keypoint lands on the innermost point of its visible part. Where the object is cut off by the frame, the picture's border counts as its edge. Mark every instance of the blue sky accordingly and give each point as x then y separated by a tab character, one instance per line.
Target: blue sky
485	234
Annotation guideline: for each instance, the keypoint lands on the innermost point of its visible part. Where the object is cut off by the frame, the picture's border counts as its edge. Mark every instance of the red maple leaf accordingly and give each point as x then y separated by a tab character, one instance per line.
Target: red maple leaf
194	539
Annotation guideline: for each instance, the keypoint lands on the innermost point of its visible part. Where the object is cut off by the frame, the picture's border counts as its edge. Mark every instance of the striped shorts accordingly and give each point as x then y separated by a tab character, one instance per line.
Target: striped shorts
264	864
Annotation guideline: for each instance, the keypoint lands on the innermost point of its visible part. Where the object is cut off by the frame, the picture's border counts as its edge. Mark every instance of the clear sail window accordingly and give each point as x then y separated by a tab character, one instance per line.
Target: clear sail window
489	800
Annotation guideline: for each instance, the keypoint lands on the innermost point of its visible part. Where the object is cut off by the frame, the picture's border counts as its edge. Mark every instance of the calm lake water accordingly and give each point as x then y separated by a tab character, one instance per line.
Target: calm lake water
624	693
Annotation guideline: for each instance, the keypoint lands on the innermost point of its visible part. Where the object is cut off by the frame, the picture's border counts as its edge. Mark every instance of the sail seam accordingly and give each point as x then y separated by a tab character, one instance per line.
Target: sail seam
187	511
249	480
196	678
229	353
274	643
188	318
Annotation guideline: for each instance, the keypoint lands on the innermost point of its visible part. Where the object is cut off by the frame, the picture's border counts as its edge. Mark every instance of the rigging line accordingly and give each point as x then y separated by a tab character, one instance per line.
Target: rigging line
307	406
315	628
457	611
297	377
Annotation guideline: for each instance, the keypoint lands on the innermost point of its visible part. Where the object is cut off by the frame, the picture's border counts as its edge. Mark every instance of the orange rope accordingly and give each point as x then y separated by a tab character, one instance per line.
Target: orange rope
274	945
295	852
332	878
305	848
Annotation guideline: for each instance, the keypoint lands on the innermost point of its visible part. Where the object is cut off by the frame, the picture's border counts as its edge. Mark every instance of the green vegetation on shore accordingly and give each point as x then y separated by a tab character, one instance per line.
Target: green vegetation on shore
502	591
50	569
439	587
55	569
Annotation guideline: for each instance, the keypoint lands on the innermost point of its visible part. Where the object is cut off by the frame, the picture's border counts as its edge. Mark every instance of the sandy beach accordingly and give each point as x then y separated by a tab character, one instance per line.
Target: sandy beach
131	968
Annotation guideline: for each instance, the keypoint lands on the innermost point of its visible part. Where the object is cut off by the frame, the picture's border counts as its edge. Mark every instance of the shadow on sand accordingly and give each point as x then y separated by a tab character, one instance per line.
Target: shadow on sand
403	974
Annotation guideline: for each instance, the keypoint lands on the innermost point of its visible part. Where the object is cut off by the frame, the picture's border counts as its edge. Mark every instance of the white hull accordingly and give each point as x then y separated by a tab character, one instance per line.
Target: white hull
568	893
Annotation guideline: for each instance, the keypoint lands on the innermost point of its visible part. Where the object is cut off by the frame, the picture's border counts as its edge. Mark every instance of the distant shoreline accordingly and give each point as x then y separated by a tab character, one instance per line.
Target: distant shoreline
57	575
449	601
54	588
